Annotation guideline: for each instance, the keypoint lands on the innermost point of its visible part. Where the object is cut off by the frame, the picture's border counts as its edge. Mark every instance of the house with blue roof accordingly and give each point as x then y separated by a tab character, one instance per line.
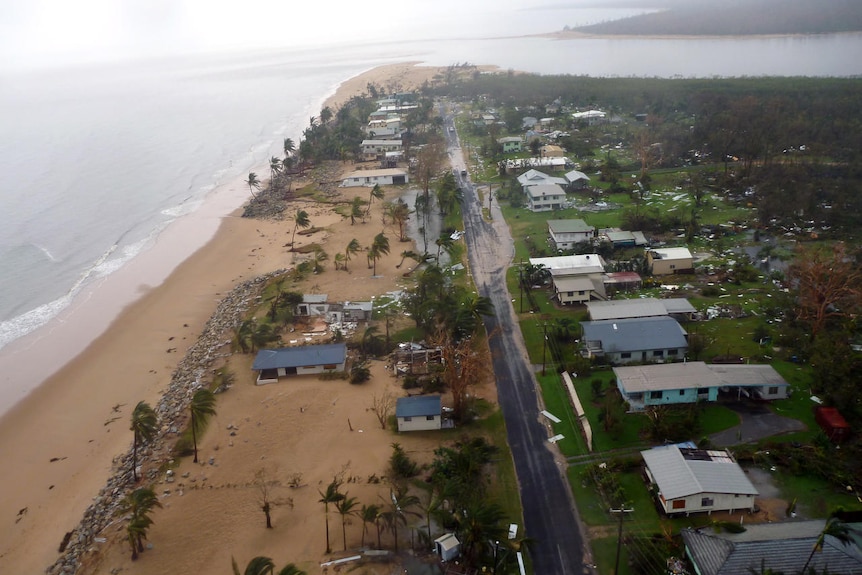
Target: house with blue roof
271	364
634	340
419	413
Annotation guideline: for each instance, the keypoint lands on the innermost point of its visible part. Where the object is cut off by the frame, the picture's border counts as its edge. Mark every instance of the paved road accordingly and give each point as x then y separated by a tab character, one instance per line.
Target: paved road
549	514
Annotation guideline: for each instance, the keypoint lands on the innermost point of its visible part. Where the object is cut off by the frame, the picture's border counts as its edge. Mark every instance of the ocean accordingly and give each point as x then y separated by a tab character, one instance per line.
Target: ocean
102	159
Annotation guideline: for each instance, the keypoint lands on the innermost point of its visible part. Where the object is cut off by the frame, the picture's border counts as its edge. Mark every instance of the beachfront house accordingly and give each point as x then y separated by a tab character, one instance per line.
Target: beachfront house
669	261
370	178
689	480
419	413
782	547
566	233
375	149
645	339
357	310
272	364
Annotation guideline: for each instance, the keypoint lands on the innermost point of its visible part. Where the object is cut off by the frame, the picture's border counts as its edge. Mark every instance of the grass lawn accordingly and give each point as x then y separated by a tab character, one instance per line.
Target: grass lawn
556	400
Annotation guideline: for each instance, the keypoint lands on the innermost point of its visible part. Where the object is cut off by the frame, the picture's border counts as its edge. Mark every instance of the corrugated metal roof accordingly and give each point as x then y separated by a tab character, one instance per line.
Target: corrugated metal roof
671	253
626	308
578	283
575	175
781	547
314	298
307	355
678	305
569	226
418	406
545	189
747	374
568	262
623	335
664	376
677	476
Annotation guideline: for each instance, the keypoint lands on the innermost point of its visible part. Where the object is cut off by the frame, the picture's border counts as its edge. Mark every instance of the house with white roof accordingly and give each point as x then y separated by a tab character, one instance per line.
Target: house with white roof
271	364
689	480
566	233
641	307
535	178
644	339
669	261
370	178
577	278
590	117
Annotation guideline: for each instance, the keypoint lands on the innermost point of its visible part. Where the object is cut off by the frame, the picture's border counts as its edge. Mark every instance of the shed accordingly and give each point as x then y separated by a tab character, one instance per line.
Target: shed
447	547
832	423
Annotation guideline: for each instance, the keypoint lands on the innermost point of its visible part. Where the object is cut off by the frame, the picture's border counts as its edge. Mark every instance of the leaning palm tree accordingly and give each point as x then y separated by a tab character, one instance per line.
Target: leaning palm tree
201	408
368	514
300	220
257	566
136	532
835	528
290	569
289	147
376	193
138	505
399	510
331	495
144	426
253	183
351	250
274	170
379	248
356	210
346	507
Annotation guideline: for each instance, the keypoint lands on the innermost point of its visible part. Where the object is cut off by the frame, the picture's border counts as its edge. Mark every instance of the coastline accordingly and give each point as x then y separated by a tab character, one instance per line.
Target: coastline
65	436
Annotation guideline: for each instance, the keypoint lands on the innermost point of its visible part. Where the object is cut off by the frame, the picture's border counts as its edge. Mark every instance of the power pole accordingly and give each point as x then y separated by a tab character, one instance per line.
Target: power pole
622	511
521	286
544	344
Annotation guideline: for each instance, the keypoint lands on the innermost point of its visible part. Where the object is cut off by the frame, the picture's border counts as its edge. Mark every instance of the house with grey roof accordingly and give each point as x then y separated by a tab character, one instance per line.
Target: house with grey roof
779	547
545	197
566	233
689	480
622	238
576	278
535	178
272	364
419	413
511	144
642	386
647	339
680	308
577	180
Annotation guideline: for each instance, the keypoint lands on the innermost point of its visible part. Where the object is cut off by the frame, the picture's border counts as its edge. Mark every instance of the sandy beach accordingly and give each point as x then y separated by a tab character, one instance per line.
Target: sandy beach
59	444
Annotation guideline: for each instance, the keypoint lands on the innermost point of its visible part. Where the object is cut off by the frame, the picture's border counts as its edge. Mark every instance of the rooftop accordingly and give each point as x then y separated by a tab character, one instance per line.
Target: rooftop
670	253
636	334
418	406
666	376
569	226
304	356
680	472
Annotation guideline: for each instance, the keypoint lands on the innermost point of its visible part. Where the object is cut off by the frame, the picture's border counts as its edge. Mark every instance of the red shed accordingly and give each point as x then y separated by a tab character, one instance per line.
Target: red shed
832	423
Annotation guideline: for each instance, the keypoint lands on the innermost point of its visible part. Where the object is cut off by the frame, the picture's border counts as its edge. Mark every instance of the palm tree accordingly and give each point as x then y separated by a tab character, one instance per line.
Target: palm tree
397	515
253	183
346	507
144	425
138	505
446	242
289	147
356	210
243	333
257	566
379	248
368	514
338	259
369	340
376	192
262	336
479	523
835	528
136	532
331	495
400	214
300	220
352	249
320	256
201	408
274	170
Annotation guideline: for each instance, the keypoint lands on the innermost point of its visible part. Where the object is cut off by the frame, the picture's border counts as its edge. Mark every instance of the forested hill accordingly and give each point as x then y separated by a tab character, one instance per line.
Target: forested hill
738	17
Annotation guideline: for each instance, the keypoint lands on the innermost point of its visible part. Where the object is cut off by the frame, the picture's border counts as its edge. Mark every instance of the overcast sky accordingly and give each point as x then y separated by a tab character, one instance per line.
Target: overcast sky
43	32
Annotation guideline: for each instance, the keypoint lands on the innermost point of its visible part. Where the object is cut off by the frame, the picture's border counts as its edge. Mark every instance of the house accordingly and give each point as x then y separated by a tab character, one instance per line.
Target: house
692	381
529	122
369	178
640	307
552	151
769	547
511	144
578	289
314	305
578	264
375	149
545	198
832	423
419	413
642	386
622	238
577	180
668	261
689	480
535	178
634	340
566	233
357	310
382	127
513	165
621	281
271	364
590	117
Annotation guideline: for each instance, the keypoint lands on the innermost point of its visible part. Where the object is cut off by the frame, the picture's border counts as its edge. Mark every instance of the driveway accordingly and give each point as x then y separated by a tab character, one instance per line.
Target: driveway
757	421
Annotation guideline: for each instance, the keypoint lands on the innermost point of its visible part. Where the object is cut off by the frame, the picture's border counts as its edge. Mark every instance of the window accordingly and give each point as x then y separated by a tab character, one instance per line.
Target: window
408	419
429	417
672	351
673	266
330	366
703	391
658	353
655	395
581	292
773	390
707	502
679	504
682	392
626	355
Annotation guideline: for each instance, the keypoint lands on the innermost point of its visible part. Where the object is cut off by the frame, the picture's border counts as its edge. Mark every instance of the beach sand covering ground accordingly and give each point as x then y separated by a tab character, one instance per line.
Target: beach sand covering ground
61	444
